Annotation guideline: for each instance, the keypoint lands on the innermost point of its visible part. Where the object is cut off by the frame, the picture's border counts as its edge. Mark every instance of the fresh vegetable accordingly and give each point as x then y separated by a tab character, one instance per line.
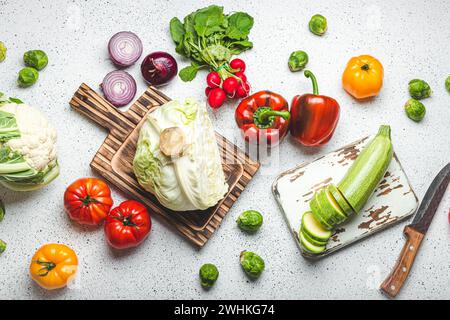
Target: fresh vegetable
88	201
230	85
209	38
28	158
195	179
327	209
447	84
342	202
2	246
419	89
124	48
363	77
314	229
36	59
213	80
318	24
27	77
2	52
127	225
252	264
159	68
238	64
415	110
250	220
314	116
369	167
308	246
119	88
53	266
263	116
208	275
216	97
297	60
2	210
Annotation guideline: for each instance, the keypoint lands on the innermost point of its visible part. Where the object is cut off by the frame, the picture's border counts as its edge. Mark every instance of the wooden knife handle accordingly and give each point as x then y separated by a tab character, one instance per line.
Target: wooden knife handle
394	282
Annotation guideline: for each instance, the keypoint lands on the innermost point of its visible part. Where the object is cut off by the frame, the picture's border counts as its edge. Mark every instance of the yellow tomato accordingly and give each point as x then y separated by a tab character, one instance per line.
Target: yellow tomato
53	265
363	77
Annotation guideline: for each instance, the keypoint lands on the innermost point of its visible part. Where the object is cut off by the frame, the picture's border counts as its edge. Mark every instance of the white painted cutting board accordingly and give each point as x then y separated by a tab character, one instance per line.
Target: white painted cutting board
392	200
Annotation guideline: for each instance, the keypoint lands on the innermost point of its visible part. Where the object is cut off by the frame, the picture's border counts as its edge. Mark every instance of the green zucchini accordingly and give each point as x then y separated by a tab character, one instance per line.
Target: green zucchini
367	170
308	246
337	195
313	229
330	208
317	213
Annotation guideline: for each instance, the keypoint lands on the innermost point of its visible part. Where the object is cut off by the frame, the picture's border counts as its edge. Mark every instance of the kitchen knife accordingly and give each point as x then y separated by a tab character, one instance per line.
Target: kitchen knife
415	233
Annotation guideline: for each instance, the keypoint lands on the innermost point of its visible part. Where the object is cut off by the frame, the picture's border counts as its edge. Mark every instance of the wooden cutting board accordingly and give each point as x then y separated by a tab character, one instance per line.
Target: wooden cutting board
114	161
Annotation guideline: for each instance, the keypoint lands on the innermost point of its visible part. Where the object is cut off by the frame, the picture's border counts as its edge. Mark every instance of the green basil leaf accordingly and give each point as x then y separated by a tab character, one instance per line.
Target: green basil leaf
239	25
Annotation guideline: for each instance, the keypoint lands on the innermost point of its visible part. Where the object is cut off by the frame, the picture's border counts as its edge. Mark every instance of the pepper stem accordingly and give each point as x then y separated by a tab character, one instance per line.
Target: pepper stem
264	117
309	74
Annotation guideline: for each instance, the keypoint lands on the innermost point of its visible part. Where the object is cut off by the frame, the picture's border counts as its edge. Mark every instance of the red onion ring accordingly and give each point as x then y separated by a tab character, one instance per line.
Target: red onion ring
124	48
119	88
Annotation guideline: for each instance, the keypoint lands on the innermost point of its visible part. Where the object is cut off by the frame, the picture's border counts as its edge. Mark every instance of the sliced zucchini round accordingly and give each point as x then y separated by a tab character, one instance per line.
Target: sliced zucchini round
317	213
314	229
308	246
345	206
311	239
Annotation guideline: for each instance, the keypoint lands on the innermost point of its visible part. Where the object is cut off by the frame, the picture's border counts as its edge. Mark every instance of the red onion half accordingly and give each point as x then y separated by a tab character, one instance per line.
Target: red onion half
125	48
119	88
159	68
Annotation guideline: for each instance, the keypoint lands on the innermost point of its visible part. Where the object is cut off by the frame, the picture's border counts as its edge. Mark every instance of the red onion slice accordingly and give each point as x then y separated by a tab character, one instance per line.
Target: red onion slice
124	48
119	88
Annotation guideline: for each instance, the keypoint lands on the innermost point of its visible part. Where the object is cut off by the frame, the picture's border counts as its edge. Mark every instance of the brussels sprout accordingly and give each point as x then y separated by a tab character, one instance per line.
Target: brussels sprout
2	246
419	89
27	77
447	84
208	275
250	220
318	24
2	51
297	60
252	264
415	110
35	58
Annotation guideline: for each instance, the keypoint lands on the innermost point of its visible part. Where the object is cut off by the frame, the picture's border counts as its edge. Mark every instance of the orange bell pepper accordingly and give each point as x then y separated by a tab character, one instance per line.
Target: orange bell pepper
363	77
53	265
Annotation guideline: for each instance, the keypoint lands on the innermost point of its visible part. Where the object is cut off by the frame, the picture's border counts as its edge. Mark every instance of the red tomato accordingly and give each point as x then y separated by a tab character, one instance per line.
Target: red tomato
88	201
127	225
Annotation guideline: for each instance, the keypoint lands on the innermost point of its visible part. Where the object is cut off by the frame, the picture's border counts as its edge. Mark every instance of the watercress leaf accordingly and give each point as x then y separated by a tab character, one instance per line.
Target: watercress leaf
237	47
176	30
208	20
239	25
188	73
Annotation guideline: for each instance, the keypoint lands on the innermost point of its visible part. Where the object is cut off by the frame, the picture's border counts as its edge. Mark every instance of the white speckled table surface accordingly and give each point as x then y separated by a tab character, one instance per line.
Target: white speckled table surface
410	38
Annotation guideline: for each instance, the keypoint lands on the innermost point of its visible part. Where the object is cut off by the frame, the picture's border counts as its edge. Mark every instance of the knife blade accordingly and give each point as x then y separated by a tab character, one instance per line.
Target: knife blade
415	232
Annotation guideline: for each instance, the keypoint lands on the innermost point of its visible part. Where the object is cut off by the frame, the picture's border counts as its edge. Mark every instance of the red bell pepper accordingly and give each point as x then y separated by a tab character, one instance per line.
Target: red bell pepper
313	117
263	116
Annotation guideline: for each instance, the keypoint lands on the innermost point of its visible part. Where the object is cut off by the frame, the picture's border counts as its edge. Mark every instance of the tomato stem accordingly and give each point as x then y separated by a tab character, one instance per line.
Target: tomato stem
365	67
47	267
88	200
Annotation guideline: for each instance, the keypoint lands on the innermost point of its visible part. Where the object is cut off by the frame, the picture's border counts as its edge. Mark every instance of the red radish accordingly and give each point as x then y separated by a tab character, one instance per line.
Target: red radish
241	76
243	90
230	85
213	80
238	64
208	90
216	98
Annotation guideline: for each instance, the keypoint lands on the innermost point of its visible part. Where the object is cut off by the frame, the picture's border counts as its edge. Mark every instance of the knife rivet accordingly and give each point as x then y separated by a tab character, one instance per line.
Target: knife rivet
392	288
411	248
404	269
